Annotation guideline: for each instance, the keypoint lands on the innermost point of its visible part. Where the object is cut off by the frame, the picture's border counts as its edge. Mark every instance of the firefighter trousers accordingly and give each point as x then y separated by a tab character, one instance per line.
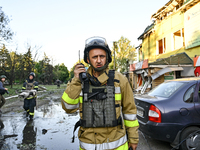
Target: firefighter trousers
2	100
29	105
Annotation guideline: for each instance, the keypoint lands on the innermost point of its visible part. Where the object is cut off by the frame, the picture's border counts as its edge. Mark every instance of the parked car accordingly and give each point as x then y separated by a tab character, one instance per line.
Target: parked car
171	112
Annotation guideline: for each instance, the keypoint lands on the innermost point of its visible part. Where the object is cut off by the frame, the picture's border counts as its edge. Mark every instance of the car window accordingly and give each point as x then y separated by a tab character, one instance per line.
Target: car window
166	89
188	97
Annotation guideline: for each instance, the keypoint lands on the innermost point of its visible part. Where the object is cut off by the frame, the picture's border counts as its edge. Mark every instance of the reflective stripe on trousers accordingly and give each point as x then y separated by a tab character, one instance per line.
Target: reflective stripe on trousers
120	144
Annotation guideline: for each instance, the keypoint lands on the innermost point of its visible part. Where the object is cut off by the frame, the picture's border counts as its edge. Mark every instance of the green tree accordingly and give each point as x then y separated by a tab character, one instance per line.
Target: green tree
44	70
4	60
13	66
5	31
28	60
20	72
61	72
39	70
8	64
124	54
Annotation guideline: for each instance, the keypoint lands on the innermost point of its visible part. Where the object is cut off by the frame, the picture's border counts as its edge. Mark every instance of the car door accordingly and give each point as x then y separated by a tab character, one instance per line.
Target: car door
197	97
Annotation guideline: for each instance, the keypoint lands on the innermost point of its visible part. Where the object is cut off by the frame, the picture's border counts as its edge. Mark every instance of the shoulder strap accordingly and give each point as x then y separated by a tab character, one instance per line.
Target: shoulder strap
85	89
111	76
86	86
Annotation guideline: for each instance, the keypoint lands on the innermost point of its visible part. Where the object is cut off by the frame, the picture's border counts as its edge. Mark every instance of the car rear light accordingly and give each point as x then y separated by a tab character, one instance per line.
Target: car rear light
154	114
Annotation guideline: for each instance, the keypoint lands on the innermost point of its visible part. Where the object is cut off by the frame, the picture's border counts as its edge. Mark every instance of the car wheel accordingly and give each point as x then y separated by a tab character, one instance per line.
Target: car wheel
190	138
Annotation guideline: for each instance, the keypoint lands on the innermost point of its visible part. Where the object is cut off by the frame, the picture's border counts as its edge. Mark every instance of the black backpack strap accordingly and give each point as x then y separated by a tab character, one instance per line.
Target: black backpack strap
78	124
115	80
86	86
111	76
85	90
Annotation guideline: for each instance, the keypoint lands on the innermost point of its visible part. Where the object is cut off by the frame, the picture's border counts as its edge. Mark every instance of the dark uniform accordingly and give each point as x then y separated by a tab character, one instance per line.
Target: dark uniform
2	92
30	102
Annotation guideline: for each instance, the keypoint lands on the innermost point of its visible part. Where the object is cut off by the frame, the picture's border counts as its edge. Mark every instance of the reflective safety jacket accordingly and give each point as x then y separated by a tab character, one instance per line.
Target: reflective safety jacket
30	85
100	138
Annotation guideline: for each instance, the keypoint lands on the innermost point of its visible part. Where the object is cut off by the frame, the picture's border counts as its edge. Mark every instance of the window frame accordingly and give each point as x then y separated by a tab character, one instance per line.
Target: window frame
182	39
194	85
163	46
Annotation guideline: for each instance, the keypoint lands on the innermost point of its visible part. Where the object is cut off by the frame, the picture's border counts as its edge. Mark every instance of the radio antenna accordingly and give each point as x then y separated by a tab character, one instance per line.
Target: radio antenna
79	56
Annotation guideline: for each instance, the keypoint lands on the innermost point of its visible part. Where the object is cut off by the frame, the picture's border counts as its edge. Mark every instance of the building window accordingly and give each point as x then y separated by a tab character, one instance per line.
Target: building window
178	39
161	46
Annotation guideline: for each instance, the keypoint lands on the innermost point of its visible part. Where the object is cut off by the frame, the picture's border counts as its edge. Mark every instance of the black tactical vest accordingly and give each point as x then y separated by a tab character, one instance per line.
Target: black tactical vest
99	104
30	86
98	107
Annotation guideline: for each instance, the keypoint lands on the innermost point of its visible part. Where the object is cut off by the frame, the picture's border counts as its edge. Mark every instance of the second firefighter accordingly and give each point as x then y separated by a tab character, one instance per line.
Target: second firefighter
30	102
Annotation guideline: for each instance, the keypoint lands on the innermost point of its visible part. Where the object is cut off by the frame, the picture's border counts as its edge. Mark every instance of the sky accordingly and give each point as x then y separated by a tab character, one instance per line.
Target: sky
60	27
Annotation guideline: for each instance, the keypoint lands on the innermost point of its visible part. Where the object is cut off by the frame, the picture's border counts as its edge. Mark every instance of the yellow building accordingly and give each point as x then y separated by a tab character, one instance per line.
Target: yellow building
169	44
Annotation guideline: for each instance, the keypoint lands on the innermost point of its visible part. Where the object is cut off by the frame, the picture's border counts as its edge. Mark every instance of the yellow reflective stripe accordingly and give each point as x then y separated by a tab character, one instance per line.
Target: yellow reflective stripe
31	113
29	97
69	106
118	97
123	147
131	123
68	100
24	88
80	148
35	86
81	99
107	145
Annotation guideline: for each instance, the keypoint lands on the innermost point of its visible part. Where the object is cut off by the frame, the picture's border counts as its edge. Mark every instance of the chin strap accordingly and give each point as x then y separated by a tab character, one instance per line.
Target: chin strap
101	68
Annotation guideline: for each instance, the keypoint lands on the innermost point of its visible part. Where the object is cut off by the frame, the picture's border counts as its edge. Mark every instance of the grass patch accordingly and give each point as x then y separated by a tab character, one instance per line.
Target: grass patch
53	87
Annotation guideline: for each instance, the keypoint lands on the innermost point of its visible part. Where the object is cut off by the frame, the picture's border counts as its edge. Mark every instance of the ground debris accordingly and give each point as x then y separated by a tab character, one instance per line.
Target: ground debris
7	136
26	146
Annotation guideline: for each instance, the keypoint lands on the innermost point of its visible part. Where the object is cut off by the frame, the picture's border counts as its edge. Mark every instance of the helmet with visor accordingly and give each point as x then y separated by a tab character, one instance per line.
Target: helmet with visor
96	42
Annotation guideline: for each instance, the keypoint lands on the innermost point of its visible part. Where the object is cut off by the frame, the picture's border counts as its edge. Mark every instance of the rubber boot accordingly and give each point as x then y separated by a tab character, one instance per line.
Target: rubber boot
31	117
27	113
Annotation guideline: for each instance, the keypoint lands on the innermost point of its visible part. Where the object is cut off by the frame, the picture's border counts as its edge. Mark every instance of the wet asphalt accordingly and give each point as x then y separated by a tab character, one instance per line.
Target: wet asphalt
51	129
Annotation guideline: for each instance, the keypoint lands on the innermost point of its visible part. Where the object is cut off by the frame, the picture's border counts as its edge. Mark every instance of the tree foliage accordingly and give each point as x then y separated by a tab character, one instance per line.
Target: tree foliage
4	54
61	72
18	66
5	31
124	54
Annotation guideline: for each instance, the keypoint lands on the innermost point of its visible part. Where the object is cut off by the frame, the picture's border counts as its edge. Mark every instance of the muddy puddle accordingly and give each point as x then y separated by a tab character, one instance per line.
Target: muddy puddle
51	129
